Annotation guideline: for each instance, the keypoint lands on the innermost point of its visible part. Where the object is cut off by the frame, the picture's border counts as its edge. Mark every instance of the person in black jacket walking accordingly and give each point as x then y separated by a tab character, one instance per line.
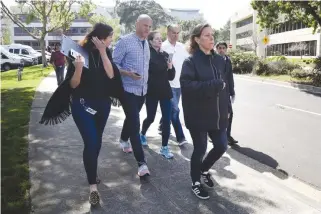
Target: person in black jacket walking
161	70
205	105
88	92
221	48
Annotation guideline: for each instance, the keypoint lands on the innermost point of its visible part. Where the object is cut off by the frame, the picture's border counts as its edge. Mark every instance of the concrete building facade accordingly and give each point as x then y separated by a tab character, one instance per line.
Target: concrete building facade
290	39
80	25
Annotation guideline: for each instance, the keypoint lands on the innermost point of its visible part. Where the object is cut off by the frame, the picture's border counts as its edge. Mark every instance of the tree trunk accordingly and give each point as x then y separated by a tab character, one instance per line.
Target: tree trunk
43	53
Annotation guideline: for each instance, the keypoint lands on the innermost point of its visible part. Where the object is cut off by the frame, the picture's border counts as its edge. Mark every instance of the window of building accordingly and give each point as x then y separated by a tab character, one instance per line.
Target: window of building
287	50
244	34
288	26
244	22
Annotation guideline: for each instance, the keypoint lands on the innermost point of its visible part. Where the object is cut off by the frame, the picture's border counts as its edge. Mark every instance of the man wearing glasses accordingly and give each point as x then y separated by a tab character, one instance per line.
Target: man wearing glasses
179	53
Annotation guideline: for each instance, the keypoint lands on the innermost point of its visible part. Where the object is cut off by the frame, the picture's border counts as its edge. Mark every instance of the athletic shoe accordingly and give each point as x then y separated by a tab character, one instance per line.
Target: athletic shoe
199	191
166	152
206	179
94	198
143	171
126	147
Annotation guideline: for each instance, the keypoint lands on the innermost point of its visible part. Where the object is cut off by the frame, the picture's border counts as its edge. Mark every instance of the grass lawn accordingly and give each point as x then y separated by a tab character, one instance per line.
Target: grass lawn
16	100
288	78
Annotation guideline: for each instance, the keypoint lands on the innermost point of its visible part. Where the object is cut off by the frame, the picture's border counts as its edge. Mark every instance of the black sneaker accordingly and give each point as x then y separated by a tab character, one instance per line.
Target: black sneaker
232	141
207	179
199	191
94	198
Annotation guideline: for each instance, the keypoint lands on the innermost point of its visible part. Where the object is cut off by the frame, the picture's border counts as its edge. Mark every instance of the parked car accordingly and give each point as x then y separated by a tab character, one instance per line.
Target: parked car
9	60
28	60
48	55
24	50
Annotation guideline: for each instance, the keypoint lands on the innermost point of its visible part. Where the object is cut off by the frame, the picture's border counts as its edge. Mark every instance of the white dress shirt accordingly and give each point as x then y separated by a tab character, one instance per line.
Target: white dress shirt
179	55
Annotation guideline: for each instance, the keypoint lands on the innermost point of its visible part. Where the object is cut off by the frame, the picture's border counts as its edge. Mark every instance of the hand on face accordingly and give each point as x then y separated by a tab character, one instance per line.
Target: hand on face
100	45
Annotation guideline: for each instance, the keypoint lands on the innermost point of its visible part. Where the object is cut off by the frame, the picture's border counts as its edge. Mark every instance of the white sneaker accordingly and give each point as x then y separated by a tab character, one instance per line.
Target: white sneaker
125	146
143	170
182	142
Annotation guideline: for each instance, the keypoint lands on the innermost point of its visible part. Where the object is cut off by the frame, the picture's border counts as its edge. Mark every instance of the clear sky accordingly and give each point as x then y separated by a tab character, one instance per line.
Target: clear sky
216	12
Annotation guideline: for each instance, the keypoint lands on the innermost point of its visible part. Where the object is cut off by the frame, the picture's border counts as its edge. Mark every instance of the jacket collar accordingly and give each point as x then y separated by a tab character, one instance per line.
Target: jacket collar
200	53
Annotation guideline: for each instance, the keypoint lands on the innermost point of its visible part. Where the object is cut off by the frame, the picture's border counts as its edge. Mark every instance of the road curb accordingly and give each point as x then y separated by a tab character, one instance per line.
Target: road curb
302	87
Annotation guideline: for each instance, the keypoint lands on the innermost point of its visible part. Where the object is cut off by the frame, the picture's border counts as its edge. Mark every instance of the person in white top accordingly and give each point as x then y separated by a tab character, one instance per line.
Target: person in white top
179	53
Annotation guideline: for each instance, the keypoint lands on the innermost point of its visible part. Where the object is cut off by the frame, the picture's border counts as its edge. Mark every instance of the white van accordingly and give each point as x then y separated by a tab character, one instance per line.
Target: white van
24	50
9	60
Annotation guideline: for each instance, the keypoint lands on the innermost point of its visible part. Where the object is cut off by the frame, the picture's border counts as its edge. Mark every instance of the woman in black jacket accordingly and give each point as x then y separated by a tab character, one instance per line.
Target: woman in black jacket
161	70
205	105
88	92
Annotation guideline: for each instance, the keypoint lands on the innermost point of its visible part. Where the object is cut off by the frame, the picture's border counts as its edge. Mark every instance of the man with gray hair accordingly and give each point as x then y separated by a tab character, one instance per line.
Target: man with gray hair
178	52
131	55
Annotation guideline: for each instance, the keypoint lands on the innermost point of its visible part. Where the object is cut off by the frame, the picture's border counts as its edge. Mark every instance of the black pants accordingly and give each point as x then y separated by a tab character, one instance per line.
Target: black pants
199	165
132	106
91	128
151	108
230	119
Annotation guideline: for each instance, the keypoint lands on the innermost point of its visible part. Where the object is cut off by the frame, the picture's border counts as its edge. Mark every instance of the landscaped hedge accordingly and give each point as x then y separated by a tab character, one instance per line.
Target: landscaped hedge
242	62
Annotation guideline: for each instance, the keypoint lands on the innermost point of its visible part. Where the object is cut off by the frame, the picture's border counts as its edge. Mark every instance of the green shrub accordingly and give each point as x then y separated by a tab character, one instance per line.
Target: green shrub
317	63
281	67
242	62
276	58
316	77
300	73
260	68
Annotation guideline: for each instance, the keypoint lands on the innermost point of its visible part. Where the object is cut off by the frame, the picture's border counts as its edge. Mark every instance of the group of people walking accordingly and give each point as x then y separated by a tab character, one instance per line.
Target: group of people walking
144	70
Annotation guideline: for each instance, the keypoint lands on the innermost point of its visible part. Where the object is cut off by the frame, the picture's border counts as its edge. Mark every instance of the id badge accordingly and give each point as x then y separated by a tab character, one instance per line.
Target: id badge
91	111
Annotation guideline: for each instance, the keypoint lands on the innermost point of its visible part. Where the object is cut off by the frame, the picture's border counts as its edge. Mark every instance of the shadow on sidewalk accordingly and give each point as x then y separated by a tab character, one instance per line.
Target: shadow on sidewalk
59	183
260	157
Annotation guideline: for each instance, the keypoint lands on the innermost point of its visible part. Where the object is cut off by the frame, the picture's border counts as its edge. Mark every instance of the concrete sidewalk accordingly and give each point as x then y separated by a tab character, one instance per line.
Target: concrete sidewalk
59	182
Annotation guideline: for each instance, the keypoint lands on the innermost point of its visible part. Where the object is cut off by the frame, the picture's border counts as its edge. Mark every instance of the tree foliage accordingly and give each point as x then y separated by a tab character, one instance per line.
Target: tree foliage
128	11
223	34
309	12
114	23
187	26
53	15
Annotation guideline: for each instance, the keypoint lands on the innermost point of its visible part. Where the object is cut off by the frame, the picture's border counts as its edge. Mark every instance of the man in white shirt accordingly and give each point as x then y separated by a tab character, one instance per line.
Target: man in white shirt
172	46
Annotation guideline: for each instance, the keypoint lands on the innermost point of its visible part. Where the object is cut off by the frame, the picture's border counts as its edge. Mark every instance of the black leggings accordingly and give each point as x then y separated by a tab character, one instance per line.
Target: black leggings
91	128
199	165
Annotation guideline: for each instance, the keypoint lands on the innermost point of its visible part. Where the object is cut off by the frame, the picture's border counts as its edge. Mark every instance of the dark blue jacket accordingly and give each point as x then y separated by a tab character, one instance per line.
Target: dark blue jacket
229	76
205	102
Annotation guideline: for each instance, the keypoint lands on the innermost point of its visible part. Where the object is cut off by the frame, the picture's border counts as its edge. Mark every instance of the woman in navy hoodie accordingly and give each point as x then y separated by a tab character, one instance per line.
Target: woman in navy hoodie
205	105
161	70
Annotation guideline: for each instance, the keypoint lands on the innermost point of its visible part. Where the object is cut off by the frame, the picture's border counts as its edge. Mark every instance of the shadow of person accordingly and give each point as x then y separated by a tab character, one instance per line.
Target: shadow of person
220	165
269	163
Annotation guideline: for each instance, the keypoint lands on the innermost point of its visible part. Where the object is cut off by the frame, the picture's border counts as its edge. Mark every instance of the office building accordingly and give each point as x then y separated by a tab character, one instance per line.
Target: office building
289	39
79	27
185	14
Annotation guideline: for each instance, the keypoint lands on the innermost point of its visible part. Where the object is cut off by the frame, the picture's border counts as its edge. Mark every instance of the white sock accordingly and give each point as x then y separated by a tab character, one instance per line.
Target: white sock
93	187
205	173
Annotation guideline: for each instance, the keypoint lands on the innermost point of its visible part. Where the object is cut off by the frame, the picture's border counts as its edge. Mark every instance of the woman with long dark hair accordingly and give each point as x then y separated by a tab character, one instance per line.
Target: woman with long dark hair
205	105
88	92
160	71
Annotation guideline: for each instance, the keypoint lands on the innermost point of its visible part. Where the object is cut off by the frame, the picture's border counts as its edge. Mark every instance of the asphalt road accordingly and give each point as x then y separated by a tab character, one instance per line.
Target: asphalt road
279	126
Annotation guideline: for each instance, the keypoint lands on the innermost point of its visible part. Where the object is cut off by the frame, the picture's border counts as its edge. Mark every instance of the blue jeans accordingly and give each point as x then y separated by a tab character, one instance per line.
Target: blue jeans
132	105
151	108
175	115
198	164
91	128
60	74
